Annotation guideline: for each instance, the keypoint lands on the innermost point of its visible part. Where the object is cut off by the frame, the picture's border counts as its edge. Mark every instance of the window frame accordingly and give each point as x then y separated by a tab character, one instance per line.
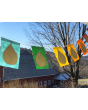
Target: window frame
41	84
44	83
48	82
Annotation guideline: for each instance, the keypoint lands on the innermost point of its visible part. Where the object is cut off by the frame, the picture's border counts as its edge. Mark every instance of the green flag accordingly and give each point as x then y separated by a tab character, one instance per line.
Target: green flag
10	53
40	58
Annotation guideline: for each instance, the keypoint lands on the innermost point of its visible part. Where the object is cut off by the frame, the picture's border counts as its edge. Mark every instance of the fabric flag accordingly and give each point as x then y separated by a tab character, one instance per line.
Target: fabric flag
82	46
73	52
61	56
85	36
10	54
40	58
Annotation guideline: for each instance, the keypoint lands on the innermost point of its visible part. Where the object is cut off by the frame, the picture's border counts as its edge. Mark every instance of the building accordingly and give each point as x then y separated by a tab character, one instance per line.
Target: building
62	80
1	76
27	71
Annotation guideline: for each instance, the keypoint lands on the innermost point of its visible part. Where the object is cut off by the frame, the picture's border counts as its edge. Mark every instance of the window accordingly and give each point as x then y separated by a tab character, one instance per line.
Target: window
40	84
49	82
52	81
45	83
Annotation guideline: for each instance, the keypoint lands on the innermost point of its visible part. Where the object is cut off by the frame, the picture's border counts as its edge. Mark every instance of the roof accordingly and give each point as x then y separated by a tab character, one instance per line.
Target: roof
85	23
27	68
61	77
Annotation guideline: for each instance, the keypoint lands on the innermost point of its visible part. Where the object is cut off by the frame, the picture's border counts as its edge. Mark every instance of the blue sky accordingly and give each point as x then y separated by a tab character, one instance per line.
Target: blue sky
15	31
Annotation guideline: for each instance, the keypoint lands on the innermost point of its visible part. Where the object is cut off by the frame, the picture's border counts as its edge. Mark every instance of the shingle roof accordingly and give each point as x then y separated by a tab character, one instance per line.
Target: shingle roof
60	77
27	68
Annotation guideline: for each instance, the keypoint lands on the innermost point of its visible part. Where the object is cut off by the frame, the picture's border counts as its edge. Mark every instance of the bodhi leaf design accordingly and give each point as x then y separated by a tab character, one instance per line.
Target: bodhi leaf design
41	61
83	48
9	55
61	57
73	53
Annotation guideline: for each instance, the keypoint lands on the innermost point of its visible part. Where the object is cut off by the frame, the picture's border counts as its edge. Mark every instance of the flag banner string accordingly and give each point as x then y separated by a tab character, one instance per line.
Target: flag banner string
60	46
10	53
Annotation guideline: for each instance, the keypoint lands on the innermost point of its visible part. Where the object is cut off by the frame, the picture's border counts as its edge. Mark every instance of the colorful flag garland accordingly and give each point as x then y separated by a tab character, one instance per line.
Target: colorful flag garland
10	54
61	56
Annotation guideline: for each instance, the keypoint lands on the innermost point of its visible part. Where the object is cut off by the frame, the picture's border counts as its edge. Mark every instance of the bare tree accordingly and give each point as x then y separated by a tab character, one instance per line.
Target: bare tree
59	34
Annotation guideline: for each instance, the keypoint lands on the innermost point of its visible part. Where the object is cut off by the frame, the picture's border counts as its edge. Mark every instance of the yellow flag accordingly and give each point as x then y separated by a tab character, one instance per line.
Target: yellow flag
73	52
61	56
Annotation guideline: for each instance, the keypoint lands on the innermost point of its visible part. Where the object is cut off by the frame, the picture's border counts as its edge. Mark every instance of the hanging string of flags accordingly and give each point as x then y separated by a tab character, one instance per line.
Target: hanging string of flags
10	54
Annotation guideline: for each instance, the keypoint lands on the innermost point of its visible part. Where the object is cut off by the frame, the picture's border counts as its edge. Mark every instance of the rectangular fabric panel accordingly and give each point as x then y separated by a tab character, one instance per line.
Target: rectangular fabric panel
86	37
73	52
61	56
10	53
82	46
40	58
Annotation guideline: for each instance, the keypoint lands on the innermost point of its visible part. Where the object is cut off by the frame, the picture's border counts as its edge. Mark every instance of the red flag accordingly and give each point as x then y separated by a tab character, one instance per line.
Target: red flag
86	36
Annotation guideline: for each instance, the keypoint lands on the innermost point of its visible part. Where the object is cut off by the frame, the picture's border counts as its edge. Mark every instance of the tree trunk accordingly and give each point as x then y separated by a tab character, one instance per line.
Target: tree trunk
74	83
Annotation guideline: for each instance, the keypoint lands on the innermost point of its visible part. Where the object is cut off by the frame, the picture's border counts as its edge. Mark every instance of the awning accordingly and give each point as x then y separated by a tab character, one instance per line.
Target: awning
61	77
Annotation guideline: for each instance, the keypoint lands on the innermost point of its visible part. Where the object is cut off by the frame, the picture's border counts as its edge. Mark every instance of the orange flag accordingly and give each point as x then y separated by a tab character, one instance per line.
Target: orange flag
73	52
82	46
61	56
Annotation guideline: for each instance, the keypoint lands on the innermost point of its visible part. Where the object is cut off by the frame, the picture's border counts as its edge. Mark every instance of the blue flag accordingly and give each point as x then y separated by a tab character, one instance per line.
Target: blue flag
10	53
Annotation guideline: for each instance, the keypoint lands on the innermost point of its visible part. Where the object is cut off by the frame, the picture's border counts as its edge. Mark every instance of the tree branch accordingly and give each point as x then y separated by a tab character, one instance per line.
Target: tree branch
83	66
58	28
